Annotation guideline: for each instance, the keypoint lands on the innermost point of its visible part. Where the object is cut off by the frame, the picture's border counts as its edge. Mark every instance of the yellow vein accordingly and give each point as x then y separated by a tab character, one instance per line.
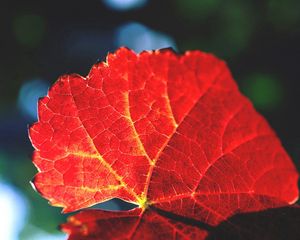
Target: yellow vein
128	116
145	192
99	157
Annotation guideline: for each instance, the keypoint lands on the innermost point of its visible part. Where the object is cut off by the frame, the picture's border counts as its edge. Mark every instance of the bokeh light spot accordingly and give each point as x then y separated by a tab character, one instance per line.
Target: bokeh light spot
139	37
123	5
29	94
264	90
29	29
13	209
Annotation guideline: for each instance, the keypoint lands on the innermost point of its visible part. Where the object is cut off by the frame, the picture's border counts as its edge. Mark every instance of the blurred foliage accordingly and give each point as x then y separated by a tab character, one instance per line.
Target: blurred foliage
284	14
16	170
265	91
259	39
196	10
29	29
230	25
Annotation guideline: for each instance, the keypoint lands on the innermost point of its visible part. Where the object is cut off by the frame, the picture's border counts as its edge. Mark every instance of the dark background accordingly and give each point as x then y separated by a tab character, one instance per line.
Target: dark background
44	39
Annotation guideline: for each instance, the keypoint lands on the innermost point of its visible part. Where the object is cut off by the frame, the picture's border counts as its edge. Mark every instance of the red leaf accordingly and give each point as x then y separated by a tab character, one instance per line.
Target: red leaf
163	131
271	224
134	224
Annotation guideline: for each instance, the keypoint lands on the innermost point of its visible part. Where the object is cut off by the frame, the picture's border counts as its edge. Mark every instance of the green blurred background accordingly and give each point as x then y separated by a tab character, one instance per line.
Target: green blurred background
41	40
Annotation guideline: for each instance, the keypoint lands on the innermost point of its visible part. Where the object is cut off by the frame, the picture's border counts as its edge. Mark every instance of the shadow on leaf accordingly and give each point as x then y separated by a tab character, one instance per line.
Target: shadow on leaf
273	224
